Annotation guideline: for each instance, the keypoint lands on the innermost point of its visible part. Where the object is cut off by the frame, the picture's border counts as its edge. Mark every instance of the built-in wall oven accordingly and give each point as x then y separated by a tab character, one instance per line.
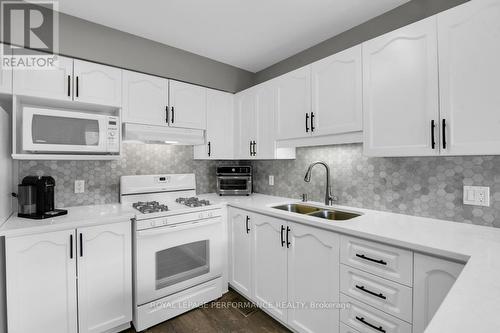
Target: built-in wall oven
234	180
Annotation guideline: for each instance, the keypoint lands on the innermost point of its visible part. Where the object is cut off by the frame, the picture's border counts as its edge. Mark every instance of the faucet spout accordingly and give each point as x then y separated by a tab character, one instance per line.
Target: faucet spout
329	198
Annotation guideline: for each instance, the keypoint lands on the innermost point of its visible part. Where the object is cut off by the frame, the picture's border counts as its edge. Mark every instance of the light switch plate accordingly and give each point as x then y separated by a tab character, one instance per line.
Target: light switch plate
271	180
79	186
477	195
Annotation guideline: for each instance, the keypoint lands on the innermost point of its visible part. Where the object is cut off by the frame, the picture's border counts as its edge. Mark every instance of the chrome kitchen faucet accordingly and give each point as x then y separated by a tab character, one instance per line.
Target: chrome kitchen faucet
329	197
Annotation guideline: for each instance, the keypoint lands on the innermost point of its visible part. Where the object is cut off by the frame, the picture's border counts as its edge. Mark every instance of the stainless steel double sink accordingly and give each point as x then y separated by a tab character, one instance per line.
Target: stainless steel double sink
324	213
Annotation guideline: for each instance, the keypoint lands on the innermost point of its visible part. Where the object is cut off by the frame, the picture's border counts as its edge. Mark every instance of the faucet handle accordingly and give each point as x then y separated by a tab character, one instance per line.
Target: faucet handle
333	198
304	197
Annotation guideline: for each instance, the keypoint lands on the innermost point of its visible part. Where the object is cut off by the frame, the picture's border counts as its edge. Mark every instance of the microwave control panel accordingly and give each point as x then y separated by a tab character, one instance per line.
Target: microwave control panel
113	125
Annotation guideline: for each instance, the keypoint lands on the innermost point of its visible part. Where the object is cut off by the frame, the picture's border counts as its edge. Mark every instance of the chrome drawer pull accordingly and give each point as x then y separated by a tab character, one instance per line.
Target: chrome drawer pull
362	319
362	256
362	288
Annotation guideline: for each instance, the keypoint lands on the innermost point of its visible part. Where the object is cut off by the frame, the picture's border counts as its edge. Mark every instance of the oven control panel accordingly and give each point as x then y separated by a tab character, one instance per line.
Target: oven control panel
172	220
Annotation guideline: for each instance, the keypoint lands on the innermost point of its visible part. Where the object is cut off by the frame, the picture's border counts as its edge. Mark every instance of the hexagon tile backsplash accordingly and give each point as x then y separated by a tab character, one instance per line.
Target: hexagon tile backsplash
422	186
102	178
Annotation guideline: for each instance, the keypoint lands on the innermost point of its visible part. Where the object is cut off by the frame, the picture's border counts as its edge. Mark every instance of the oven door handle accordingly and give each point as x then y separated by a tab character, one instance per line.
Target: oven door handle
235	177
155	231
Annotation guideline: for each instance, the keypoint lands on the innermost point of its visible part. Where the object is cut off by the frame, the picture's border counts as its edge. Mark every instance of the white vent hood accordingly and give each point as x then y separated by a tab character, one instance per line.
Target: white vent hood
162	134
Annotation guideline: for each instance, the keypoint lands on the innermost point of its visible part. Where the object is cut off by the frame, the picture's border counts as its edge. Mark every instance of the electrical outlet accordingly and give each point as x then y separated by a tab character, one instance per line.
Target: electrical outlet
271	180
79	186
477	196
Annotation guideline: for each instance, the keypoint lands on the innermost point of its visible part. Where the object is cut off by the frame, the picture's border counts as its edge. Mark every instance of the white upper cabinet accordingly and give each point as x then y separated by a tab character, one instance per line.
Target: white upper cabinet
433	279
469	76
400	92
41	283
264	146
337	89
245	123
219	134
55	83
293	104
188	105
97	84
104	277
145	99
269	264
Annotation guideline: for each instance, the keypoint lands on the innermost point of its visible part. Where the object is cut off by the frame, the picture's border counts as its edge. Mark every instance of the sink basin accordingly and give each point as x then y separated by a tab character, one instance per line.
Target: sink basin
327	214
298	208
336	215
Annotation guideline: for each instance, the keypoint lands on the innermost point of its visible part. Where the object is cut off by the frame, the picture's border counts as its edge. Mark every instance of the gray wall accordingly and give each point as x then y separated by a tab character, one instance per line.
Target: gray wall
421	186
82	39
403	15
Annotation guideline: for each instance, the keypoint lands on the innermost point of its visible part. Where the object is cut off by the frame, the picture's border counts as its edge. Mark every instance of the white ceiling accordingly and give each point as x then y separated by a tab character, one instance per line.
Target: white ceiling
249	34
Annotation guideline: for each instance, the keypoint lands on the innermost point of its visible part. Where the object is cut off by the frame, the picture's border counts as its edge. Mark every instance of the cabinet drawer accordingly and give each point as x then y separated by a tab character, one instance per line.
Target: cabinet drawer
385	295
346	329
383	260
367	319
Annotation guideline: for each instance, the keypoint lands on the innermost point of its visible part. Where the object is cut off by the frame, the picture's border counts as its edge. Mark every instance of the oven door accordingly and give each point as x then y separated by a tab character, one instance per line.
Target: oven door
234	184
172	258
51	130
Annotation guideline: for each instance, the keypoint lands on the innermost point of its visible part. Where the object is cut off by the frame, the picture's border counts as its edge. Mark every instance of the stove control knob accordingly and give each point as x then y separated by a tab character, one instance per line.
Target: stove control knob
200	215
165	222
152	223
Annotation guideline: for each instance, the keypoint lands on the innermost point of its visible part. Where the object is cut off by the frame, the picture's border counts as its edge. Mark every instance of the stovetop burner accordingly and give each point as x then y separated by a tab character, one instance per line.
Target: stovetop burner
147	207
192	202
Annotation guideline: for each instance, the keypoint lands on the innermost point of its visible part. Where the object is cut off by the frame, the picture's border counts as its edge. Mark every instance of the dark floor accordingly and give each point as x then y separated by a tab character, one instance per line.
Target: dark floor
222	315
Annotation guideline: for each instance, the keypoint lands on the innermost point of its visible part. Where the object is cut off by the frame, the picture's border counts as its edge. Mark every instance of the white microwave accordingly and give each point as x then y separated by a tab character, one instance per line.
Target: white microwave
61	131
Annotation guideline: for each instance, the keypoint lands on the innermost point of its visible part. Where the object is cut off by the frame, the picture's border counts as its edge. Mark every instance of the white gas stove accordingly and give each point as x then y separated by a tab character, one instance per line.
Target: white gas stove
179	246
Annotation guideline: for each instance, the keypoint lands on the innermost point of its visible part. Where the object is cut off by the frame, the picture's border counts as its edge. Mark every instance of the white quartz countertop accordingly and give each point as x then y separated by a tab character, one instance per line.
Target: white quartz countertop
473	303
77	217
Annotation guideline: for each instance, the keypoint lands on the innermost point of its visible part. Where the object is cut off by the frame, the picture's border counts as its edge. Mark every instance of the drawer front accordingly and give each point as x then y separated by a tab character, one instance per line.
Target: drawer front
385	295
367	319
383	260
346	329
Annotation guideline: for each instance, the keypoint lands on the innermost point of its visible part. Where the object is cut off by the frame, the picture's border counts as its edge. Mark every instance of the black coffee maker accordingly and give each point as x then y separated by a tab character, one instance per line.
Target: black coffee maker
36	198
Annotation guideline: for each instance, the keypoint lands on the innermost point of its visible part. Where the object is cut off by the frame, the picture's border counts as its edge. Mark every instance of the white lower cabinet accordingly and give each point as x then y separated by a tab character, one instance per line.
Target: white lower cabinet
293	272
240	260
313	278
269	264
346	329
41	283
434	278
104	277
367	319
44	292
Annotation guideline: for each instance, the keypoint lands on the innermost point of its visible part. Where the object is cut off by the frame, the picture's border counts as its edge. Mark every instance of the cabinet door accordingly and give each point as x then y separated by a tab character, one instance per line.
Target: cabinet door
145	99
188	104
245	122
104	277
41	283
337	93
240	242
313	278
400	91
469	77
56	83
269	268
434	277
293	94
219	133
265	143
97	84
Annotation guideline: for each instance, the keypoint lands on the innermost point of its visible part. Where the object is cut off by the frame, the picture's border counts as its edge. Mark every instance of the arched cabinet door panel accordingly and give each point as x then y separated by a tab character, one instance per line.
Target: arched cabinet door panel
400	91
469	77
433	279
